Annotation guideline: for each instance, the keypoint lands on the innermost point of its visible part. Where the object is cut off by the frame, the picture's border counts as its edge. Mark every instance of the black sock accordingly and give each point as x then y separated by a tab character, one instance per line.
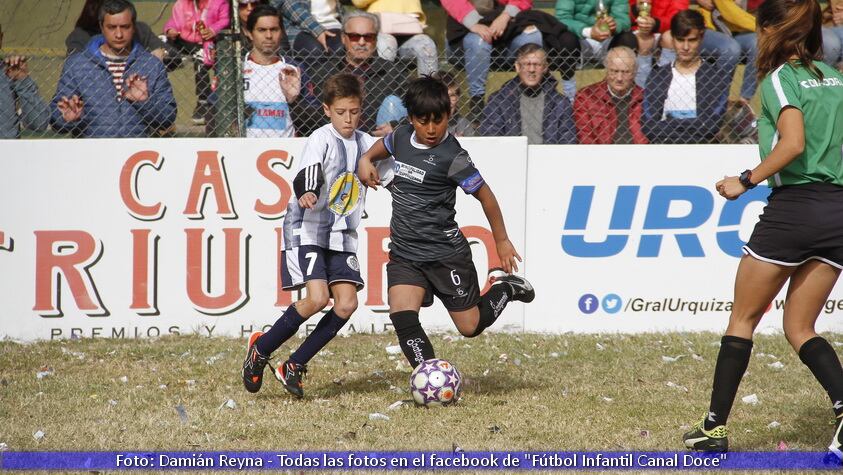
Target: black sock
731	365
281	331
821	359
491	305
324	332
411	336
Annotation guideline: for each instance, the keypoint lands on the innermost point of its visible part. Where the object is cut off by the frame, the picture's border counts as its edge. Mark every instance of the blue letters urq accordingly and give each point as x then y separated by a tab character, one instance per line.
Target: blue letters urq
701	201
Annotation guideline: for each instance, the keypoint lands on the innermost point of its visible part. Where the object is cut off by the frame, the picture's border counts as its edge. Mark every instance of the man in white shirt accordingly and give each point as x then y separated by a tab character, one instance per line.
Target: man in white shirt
685	102
271	83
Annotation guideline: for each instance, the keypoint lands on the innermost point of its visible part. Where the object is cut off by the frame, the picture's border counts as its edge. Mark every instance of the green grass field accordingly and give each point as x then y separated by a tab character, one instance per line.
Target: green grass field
522	392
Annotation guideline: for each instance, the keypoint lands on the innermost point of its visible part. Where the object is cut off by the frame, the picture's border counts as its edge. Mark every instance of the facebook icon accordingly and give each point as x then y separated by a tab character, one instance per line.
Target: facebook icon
589	303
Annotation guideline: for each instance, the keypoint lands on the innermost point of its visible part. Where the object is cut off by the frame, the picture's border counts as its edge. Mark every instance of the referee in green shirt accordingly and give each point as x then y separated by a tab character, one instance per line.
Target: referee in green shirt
800	233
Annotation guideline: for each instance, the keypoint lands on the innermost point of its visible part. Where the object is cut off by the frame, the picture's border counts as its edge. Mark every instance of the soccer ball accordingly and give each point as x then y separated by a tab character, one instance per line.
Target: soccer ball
435	383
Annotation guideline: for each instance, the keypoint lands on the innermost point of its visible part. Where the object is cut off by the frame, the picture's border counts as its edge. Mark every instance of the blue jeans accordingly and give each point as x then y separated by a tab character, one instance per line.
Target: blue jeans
477	55
724	48
832	45
749	50
645	67
420	47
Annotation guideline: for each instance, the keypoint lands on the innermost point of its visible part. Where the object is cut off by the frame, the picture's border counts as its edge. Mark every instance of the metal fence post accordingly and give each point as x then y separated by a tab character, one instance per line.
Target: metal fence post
228	115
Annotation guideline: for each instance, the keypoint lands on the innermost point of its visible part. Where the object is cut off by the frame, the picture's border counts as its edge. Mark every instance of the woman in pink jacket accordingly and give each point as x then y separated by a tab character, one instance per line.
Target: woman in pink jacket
193	28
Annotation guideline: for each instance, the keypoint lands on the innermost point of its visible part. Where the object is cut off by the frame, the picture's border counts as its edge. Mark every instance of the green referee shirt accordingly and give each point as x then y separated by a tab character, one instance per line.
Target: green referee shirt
821	103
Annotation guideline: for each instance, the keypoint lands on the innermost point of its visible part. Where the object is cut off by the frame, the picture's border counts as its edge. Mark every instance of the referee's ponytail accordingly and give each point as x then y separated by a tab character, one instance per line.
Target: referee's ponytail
789	28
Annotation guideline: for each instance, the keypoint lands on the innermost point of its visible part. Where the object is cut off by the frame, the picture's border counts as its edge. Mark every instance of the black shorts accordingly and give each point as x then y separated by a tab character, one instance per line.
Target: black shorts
800	222
301	264
452	279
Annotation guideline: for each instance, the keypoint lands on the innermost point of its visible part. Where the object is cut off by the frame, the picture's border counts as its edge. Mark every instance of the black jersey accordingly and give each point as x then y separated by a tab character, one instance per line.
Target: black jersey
423	195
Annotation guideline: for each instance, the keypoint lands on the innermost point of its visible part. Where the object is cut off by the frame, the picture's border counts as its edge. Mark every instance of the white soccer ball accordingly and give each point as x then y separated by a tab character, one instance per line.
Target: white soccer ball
435	382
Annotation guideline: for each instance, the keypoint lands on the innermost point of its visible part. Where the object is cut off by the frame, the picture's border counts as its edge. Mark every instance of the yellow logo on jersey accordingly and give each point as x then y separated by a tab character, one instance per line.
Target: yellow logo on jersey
344	194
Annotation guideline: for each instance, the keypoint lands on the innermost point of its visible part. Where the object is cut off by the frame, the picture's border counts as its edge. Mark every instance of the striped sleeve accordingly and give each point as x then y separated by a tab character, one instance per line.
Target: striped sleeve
310	177
780	90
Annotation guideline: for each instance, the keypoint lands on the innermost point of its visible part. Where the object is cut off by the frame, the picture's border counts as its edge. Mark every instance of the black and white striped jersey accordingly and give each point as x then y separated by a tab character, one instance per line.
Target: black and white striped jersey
327	168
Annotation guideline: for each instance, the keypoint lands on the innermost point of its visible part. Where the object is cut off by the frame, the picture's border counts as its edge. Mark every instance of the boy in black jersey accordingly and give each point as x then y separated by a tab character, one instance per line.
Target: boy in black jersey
429	254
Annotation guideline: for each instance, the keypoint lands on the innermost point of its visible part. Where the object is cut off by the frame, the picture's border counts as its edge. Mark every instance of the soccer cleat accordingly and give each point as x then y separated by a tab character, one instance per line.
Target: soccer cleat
496	273
835	449
253	365
521	289
713	440
290	374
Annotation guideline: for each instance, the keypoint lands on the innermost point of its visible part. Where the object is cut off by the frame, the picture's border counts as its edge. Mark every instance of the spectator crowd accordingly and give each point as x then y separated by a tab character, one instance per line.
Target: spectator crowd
668	68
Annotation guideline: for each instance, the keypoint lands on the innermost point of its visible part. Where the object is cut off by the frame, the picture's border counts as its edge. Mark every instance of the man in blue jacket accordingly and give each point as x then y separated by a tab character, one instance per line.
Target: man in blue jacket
114	88
685	102
530	103
19	91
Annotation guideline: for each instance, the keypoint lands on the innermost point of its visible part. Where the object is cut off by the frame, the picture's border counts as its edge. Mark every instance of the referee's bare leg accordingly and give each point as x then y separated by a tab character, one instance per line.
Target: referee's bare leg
807	292
756	285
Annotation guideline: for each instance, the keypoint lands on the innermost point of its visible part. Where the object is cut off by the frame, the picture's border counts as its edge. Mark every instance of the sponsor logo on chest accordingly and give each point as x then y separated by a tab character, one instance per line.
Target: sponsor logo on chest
409	172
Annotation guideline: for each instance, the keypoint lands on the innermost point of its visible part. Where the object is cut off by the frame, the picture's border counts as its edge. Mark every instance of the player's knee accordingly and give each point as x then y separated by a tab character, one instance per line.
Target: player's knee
467	330
344	308
798	333
316	300
745	318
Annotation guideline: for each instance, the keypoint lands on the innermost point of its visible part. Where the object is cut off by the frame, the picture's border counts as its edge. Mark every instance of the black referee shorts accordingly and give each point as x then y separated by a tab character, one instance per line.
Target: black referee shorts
452	279
800	222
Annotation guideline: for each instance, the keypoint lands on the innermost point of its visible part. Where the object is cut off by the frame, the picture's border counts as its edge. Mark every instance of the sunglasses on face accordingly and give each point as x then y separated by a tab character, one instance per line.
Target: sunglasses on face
355	37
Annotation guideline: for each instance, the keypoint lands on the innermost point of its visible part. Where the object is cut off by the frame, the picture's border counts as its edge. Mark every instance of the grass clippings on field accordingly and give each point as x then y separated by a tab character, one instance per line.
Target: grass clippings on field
521	392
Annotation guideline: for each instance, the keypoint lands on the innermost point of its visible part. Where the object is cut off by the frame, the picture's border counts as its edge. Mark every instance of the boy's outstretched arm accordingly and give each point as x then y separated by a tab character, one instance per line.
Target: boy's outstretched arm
366	170
506	252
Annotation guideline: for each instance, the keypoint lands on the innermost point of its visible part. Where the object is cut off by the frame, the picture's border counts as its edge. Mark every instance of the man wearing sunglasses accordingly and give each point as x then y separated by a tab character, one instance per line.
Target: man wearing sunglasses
383	81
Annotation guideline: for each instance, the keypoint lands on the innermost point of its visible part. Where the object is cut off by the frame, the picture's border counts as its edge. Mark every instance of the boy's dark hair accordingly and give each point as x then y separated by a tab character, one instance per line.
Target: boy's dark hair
685	21
341	85
427	96
261	10
114	7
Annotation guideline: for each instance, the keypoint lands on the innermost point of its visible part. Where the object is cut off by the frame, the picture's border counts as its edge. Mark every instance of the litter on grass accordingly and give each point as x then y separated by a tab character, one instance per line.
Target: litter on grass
752	399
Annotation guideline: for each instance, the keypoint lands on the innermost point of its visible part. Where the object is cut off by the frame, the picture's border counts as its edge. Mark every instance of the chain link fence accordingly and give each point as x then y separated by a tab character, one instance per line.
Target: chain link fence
248	101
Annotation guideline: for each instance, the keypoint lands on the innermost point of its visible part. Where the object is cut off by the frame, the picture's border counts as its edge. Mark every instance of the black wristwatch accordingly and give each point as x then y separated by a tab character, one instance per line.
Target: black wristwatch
746	179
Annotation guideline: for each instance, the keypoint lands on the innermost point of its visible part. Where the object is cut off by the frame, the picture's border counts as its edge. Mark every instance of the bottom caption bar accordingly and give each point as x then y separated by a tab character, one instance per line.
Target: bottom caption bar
351	460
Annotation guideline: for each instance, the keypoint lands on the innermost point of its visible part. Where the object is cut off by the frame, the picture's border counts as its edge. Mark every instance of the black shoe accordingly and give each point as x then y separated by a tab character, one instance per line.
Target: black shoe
253	365
521	289
713	440
290	374
495	273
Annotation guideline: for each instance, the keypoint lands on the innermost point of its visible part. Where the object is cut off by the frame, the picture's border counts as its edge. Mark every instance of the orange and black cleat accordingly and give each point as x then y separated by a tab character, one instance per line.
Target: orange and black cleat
290	374
253	365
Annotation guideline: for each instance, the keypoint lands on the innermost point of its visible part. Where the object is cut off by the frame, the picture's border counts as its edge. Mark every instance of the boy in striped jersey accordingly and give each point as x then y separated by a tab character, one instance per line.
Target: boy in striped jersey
320	238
